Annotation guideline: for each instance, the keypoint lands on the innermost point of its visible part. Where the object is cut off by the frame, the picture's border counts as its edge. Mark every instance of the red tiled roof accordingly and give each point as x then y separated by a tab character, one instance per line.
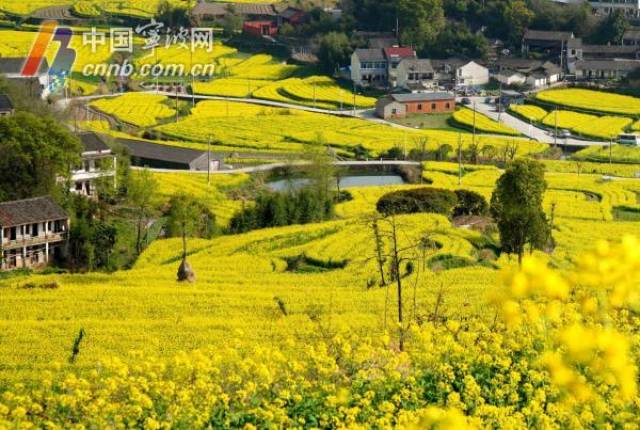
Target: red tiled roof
399	52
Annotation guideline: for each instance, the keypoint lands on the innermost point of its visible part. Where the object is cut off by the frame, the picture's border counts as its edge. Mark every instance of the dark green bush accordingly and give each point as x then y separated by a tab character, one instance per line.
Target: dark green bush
430	200
302	206
470	203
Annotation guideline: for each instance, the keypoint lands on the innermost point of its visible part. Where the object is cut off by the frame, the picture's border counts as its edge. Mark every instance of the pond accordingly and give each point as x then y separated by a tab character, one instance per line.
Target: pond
345	182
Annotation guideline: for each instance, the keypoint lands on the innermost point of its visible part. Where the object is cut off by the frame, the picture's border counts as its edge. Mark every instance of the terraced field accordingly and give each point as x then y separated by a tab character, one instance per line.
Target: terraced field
483	123
529	112
223	296
250	126
141	110
595	101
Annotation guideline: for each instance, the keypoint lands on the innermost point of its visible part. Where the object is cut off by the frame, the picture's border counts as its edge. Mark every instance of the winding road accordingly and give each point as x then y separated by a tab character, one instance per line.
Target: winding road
527	129
478	103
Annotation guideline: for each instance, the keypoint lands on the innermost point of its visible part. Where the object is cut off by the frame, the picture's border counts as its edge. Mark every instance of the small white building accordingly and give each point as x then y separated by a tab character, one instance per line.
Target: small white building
472	74
510	77
37	86
98	162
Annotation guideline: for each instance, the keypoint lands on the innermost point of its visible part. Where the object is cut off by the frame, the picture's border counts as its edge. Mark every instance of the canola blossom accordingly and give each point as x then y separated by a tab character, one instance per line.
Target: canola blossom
556	363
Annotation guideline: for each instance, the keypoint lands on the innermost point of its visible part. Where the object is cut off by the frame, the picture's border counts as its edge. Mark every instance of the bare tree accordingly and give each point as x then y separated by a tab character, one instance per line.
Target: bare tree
388	230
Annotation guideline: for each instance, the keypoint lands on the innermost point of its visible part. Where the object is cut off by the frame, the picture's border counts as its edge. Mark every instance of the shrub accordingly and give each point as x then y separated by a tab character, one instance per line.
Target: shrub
431	200
303	206
470	203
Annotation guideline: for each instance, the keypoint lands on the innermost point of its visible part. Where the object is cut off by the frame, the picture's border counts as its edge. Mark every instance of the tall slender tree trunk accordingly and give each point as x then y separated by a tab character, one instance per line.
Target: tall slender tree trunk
396	264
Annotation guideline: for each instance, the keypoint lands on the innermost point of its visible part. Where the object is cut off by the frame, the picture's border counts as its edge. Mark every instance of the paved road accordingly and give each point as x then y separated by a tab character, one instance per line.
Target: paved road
529	130
64	103
525	128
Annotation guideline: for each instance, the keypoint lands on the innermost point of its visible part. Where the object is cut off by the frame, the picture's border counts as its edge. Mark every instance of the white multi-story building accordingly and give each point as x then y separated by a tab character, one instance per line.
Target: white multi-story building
629	7
98	161
32	232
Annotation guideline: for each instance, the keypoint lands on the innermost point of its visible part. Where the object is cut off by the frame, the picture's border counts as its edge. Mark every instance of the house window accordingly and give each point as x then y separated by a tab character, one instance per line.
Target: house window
419	107
433	106
448	106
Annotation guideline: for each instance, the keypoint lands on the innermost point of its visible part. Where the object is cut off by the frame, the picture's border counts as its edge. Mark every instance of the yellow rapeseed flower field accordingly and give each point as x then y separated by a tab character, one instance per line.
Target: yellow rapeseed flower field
595	101
257	127
483	123
321	344
142	110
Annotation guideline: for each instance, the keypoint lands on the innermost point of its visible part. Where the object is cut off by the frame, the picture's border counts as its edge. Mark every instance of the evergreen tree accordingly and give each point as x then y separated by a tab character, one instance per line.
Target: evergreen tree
516	205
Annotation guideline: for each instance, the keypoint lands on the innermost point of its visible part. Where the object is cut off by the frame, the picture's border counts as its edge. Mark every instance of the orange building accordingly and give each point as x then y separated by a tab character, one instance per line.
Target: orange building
401	105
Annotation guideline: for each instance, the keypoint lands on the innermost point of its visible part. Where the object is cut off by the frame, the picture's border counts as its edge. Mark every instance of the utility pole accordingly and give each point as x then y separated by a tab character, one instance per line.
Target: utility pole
157	76
500	102
474	122
177	111
555	134
209	161
354	99
459	159
610	150
193	87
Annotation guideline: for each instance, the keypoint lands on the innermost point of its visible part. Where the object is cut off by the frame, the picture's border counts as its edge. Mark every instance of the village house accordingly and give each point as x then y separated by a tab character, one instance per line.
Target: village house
369	67
153	155
545	41
401	105
218	11
394	55
577	50
604	69
37	86
259	28
457	72
6	106
32	233
269	25
97	163
521	71
631	8
292	16
631	37
415	74
510	77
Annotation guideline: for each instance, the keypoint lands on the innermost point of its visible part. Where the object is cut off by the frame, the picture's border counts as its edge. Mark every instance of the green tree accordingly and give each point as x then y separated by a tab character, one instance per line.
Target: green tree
173	16
335	50
34	153
420	21
189	217
232	22
611	29
91	240
516	205
140	191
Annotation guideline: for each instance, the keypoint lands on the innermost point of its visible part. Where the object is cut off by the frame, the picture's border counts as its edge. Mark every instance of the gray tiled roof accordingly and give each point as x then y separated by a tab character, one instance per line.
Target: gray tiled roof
91	142
220	9
417	65
612	65
550	36
418	97
13	65
370	54
30	211
154	151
